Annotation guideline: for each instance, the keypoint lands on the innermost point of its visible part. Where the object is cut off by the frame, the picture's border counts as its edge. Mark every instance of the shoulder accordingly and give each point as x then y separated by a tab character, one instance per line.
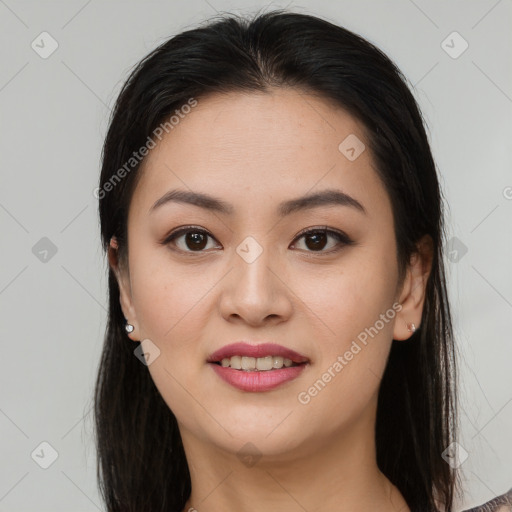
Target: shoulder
502	503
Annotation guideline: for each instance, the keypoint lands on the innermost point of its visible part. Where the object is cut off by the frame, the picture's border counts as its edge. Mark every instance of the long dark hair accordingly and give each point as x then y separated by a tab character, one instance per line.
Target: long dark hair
141	461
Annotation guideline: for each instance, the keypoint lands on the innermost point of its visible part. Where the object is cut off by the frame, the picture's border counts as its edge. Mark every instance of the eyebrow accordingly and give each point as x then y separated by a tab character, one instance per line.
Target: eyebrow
329	197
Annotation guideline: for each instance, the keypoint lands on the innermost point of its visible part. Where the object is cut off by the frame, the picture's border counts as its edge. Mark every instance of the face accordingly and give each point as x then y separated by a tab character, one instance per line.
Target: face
249	273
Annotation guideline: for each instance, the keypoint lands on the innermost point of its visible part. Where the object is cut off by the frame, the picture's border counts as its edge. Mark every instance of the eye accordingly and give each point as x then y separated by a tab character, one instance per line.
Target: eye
316	239
189	239
194	239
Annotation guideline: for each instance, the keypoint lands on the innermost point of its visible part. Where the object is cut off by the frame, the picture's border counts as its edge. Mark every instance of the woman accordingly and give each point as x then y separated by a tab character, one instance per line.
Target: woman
273	223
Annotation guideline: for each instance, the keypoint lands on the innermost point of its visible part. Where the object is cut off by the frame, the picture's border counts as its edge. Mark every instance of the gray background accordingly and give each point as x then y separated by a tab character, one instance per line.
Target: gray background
54	114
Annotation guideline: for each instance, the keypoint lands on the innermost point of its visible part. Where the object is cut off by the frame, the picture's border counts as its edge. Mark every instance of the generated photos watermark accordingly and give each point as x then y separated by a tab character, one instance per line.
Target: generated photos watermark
304	397
143	151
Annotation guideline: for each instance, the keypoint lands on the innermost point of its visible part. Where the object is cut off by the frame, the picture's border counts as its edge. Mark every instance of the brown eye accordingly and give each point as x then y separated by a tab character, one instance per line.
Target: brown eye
189	239
316	240
196	241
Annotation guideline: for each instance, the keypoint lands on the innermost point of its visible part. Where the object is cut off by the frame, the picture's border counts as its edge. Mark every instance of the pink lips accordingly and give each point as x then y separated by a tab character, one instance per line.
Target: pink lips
255	381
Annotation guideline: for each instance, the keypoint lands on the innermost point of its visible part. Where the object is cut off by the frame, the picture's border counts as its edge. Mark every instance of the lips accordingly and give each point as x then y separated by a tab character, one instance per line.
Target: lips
261	350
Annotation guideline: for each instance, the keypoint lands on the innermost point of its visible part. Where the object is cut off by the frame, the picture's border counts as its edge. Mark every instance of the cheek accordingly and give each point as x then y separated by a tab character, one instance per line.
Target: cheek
354	319
166	297
345	299
171	310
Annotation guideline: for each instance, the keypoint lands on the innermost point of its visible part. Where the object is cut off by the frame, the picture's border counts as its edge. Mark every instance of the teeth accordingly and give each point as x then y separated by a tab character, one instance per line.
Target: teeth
256	363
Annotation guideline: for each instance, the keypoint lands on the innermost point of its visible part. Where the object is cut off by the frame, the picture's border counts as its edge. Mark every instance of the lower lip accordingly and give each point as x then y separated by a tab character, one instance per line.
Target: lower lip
264	380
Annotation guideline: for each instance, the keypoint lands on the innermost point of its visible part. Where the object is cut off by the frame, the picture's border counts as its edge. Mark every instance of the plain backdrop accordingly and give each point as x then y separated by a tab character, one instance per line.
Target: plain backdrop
54	114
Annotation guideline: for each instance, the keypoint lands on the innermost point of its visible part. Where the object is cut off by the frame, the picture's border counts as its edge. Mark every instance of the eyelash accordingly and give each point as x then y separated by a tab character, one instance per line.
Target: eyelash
342	238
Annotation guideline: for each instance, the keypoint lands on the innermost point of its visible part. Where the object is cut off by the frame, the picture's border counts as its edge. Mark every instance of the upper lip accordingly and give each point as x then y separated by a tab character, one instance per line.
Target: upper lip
260	350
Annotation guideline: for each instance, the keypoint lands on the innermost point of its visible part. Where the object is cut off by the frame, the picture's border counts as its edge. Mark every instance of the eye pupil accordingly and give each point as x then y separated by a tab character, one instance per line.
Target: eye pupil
319	240
198	240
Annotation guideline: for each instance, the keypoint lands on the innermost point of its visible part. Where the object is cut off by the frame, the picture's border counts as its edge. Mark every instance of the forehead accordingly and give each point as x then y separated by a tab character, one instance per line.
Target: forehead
252	147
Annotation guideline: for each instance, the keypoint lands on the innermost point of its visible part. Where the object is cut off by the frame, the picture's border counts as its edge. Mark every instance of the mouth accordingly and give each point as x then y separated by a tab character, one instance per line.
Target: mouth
263	357
257	368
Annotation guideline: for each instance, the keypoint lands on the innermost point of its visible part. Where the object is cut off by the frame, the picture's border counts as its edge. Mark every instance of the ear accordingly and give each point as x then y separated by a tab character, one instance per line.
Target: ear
125	294
412	295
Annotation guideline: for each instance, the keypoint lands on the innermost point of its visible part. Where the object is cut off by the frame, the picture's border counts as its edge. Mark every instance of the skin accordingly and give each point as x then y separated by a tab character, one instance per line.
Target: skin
254	150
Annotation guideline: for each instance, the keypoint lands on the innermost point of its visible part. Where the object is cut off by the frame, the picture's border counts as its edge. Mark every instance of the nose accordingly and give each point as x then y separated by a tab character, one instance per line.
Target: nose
256	292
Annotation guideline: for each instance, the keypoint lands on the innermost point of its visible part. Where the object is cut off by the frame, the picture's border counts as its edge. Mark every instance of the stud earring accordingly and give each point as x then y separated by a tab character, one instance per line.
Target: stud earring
129	328
411	327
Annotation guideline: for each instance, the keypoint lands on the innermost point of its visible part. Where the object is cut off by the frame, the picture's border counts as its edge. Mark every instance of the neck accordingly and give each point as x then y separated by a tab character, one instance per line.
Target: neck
338	472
